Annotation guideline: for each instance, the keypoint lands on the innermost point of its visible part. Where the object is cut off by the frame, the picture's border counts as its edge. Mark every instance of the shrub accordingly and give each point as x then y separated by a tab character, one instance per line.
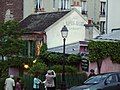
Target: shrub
68	69
38	68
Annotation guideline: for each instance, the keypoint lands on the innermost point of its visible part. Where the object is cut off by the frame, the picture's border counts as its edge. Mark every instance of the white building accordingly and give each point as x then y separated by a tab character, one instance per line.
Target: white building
51	23
99	11
113	15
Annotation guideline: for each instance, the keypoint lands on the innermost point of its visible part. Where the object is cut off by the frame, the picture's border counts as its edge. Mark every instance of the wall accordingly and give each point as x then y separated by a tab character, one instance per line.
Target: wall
28	8
93	10
107	66
15	6
113	14
48	5
75	24
13	71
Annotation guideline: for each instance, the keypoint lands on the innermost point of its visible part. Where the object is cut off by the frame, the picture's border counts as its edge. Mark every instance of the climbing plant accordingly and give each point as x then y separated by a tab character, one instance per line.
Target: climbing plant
102	49
99	50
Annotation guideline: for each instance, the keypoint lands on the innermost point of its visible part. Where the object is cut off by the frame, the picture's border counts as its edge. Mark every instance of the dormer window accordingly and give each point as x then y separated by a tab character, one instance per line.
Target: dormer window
84	7
38	5
65	4
102	8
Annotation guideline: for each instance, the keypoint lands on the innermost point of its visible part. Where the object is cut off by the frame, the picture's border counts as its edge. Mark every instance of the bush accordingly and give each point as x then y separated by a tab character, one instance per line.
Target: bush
68	69
38	68
2	81
70	79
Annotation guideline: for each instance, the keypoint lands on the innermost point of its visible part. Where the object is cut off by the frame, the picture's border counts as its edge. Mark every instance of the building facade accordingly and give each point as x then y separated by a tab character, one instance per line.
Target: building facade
113	21
10	9
100	11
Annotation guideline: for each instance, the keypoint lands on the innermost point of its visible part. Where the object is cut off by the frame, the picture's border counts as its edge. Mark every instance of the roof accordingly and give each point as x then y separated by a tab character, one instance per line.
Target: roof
109	73
41	21
115	35
72	48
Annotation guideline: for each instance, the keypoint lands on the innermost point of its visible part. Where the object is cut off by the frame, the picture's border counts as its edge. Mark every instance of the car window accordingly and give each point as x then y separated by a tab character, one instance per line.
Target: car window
119	76
112	79
95	79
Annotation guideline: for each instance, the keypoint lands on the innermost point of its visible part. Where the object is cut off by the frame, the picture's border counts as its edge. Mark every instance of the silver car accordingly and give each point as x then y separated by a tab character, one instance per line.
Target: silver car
105	81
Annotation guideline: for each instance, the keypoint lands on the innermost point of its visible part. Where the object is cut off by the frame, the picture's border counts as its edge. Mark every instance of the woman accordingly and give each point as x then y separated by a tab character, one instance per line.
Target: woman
18	84
36	83
49	81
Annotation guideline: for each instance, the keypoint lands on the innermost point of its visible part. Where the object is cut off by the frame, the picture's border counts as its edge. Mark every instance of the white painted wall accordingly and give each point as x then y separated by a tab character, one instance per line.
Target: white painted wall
28	8
75	24
113	14
93	7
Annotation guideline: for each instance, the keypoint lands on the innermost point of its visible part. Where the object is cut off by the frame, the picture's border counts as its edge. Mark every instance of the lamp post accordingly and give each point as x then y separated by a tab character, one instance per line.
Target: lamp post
64	33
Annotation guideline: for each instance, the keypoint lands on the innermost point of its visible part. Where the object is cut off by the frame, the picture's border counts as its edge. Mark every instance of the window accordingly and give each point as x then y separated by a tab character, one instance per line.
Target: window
38	4
53	3
102	9
29	49
102	27
65	4
84	7
119	77
112	79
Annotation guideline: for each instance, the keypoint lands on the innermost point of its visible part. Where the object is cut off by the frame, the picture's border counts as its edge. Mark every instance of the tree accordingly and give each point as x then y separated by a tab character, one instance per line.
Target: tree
99	50
11	42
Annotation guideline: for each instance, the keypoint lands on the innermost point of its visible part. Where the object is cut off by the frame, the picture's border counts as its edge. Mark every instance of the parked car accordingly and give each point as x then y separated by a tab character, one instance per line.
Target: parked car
105	81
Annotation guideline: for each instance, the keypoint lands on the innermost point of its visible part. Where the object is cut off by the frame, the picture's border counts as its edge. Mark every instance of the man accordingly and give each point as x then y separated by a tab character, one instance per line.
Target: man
10	83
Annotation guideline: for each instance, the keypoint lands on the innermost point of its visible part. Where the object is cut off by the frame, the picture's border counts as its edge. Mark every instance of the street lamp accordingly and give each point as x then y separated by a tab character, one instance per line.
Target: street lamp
64	33
89	30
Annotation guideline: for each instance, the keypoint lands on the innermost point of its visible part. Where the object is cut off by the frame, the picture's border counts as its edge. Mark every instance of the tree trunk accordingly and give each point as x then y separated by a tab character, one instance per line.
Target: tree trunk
99	63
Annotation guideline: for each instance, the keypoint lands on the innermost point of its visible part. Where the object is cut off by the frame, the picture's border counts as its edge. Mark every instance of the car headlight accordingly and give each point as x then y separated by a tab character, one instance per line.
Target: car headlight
86	89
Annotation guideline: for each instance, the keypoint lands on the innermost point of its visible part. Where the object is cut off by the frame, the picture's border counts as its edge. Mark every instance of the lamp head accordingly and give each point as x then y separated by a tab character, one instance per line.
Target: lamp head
64	32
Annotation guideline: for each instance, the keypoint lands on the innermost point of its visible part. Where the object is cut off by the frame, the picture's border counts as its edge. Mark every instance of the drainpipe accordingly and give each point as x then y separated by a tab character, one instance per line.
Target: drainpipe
106	16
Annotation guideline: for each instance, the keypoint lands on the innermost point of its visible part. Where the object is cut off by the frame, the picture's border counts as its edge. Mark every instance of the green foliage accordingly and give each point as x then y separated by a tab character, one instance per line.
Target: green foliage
99	50
43	48
74	58
38	68
57	68
68	69
10	42
54	57
71	69
17	62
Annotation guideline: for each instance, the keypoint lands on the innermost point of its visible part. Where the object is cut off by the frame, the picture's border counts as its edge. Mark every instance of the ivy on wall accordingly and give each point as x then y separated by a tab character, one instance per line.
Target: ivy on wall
99	50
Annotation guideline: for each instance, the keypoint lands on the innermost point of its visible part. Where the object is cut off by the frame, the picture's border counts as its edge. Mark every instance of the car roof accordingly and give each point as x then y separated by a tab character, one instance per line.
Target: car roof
109	73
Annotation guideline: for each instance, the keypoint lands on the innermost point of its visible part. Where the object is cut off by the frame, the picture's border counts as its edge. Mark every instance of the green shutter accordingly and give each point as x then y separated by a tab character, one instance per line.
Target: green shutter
32	48
25	48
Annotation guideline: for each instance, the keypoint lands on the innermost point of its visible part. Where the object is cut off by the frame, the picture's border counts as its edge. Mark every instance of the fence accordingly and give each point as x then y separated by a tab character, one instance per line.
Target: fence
71	80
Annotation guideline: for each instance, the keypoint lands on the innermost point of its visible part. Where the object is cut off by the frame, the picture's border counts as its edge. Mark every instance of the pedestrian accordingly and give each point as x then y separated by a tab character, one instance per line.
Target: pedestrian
18	84
10	83
36	83
92	73
49	81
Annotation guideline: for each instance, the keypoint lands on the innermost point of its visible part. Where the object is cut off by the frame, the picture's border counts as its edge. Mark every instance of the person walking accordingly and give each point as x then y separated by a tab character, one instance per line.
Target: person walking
10	83
49	81
18	84
36	83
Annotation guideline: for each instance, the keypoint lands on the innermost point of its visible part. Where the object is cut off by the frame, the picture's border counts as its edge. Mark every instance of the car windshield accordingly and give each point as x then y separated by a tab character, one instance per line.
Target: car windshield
95	79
